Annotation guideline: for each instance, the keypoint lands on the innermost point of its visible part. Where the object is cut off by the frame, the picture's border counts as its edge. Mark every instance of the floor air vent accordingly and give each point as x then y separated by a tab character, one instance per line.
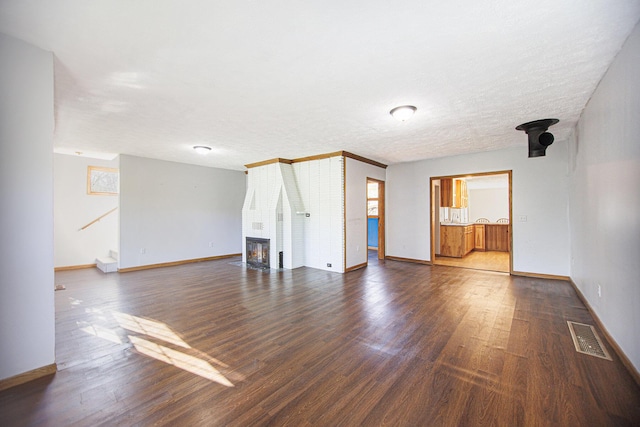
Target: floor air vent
587	340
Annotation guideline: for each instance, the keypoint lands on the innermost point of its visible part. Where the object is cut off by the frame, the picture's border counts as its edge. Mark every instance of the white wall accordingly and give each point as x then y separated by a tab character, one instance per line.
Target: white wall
73	208
263	184
27	319
321	187
174	211
490	203
357	173
605	200
539	189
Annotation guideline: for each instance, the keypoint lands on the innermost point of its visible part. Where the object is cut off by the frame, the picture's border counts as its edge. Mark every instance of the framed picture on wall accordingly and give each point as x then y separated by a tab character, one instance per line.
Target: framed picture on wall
102	181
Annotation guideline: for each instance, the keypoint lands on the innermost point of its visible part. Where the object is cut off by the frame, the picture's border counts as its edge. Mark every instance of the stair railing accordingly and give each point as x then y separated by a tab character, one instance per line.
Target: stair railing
98	219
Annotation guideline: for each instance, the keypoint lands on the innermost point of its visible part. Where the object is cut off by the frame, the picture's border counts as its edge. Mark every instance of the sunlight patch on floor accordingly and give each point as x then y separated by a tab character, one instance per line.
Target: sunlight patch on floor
179	359
149	327
102	332
152	329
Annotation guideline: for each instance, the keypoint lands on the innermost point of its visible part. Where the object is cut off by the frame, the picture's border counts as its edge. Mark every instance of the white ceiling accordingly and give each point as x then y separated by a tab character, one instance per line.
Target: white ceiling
262	79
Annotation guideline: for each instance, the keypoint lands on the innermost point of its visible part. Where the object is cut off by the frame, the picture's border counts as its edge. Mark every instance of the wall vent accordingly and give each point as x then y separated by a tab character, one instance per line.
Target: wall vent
257	225
586	340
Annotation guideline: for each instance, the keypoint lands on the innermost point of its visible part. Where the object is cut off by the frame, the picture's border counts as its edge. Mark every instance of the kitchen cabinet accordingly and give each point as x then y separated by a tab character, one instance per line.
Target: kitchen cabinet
461	194
456	240
446	192
453	193
478	234
468	239
497	237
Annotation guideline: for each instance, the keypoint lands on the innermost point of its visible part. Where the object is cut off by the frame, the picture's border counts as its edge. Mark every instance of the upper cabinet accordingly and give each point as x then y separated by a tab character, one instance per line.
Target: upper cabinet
462	196
453	193
446	193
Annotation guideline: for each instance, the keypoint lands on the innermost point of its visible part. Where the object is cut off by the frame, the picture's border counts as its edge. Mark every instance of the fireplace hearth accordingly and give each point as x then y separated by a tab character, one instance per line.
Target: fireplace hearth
258	252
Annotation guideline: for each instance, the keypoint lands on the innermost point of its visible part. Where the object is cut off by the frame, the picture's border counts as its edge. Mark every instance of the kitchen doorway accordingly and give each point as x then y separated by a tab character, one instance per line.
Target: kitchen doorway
471	219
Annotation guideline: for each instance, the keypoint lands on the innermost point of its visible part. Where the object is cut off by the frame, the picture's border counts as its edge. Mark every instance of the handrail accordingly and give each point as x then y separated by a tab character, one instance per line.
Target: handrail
98	219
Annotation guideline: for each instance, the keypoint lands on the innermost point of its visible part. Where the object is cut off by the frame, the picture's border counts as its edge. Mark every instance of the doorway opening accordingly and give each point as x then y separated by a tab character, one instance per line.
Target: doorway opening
471	218
375	216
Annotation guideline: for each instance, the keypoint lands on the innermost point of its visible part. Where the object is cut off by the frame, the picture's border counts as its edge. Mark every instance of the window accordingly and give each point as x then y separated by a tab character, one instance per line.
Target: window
102	181
372	199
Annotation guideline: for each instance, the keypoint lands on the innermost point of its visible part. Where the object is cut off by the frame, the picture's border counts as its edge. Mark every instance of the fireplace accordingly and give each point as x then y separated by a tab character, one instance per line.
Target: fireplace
258	252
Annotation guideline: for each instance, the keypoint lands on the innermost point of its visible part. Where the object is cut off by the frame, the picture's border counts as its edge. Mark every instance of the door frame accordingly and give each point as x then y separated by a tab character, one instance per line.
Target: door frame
381	217
432	208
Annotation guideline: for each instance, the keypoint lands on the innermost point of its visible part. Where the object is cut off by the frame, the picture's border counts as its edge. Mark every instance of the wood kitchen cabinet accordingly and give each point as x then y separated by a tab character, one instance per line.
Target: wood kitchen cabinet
478	234
469	242
453	193
446	193
461	194
497	237
456	240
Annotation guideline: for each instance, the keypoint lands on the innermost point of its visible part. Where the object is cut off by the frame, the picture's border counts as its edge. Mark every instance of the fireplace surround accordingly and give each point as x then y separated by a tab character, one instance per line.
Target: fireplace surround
258	252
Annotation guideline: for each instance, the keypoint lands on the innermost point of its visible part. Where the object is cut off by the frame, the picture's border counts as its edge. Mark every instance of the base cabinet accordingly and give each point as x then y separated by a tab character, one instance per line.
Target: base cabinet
497	237
456	240
469	242
478	233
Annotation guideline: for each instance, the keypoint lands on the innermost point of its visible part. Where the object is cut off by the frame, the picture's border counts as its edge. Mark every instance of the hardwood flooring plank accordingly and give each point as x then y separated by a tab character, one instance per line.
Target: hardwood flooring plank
215	343
409	390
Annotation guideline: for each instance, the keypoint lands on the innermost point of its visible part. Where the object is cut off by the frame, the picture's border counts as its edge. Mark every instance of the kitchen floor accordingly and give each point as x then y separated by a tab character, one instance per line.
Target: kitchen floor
477	260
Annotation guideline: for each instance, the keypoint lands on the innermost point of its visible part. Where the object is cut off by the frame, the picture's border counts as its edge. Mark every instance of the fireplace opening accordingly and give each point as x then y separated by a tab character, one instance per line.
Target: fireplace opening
258	252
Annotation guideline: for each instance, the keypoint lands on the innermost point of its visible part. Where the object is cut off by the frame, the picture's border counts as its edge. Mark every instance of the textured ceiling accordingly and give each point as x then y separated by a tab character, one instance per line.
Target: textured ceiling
263	79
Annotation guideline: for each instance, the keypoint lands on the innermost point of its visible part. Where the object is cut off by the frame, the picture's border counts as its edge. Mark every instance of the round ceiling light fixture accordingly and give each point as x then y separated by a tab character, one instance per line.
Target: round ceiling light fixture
202	149
404	112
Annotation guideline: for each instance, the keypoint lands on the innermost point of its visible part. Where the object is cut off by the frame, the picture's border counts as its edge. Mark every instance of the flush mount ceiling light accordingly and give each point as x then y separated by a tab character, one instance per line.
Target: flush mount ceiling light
201	149
404	112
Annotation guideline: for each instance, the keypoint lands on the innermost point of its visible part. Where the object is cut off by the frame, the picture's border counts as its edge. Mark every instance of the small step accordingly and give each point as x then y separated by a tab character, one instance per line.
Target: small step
107	264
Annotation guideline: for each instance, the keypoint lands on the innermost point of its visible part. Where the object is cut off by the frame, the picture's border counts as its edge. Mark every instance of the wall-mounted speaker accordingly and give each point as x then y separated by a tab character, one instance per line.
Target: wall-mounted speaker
539	138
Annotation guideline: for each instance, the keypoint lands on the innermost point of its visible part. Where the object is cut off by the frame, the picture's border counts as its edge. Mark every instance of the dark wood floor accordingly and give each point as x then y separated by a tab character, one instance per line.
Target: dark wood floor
395	344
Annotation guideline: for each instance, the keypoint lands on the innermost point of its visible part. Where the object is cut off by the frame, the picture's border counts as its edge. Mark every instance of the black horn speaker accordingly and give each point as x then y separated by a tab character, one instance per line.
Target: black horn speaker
539	138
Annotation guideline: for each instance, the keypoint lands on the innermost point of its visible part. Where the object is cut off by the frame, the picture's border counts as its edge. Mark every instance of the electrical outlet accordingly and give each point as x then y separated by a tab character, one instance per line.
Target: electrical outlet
328	264
210	244
599	290
522	218
143	251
